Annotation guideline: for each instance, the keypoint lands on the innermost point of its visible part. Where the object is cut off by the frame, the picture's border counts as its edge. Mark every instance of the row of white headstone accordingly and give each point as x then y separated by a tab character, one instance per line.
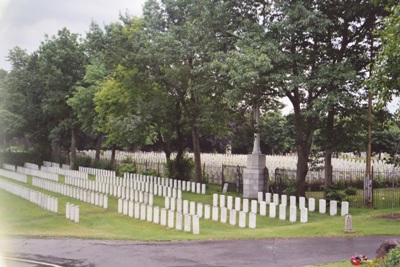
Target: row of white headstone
37	173
209	212
72	212
87	196
164	217
23	178
42	200
97	172
9	167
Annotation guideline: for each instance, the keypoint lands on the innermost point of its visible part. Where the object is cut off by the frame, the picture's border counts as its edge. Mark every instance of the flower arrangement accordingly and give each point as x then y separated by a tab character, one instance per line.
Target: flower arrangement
358	259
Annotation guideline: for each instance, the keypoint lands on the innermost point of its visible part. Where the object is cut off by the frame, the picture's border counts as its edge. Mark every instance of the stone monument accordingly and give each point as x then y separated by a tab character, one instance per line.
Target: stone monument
253	174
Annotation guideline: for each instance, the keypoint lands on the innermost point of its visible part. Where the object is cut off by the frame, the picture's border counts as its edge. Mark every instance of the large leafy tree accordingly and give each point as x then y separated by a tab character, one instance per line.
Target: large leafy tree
385	78
181	41
62	65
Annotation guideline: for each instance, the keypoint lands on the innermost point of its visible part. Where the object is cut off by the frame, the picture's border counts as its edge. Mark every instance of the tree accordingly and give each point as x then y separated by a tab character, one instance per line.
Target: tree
178	53
385	78
62	65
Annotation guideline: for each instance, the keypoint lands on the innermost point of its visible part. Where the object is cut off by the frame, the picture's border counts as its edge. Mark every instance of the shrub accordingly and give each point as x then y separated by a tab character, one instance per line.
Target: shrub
392	259
182	170
350	191
84	161
332	193
125	168
102	164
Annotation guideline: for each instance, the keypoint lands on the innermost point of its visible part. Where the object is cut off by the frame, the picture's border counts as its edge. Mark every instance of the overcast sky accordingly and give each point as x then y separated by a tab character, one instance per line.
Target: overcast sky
24	23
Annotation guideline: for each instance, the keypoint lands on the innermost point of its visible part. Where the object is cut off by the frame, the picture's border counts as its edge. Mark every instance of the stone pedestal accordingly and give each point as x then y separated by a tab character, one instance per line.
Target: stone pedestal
253	175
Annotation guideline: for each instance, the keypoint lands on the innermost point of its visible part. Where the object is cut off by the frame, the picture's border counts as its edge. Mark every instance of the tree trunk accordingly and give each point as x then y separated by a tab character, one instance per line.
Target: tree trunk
196	152
98	146
328	149
112	162
72	156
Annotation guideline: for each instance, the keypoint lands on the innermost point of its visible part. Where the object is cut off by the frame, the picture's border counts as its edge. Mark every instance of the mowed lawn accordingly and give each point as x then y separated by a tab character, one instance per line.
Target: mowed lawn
19	217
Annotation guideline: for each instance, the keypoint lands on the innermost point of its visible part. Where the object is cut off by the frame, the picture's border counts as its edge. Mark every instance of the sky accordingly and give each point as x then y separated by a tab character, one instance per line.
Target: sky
24	23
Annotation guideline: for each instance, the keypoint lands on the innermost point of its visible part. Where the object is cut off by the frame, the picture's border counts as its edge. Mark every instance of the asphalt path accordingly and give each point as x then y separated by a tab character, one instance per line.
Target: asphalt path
230	253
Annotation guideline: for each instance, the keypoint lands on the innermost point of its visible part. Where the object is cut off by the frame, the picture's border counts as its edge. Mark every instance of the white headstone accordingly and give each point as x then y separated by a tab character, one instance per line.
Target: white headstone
224	214
215	213
171	219
292	213
260	196
203	189
232	217
143	212
282	212
225	188
254	206
333	207
163	217
311	204
167	202
267	198
173	204
242	219
67	210
76	218
179	205
272	210
125	207
276	199
344	208
207	211
284	200
263	208
302	202
130	209
222	201
156	215
185	206
199	210
192	209
238	201
322	206
137	210
120	205
252	220
196	225
179	220
187	222
304	215
215	199
149	213
229	202
246	205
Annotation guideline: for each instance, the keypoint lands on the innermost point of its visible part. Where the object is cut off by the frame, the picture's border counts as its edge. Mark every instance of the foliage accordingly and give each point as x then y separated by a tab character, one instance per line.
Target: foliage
332	193
125	168
390	260
182	170
84	161
350	191
291	188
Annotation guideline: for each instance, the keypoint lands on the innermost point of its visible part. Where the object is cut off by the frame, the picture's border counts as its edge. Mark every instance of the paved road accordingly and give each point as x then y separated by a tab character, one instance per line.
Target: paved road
240	253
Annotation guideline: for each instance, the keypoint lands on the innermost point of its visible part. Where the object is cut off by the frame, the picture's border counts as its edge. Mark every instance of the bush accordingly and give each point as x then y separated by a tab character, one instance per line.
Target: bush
102	164
125	168
182	170
83	161
350	191
392	259
332	193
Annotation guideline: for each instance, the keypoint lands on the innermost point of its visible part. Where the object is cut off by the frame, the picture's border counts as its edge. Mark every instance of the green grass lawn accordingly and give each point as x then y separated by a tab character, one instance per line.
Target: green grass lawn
18	217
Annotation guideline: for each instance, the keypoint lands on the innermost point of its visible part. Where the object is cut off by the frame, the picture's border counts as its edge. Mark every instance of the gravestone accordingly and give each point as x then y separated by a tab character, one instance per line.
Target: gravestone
215	199
303	215
167	202
224	212
282	212
254	206
130	209
143	212
246	205
284	200
260	196
344	208
196	225
76	217
222	201
137	210
120	205
272	210
333	207
187	222
179	219
263	208
229	203
302	202
149	213
232	217
292	213
252	220
171	219
238	203
242	219
163	217
207	212
215	213
156	215
192	210
348	224
200	210
267	198
311	204
322	206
